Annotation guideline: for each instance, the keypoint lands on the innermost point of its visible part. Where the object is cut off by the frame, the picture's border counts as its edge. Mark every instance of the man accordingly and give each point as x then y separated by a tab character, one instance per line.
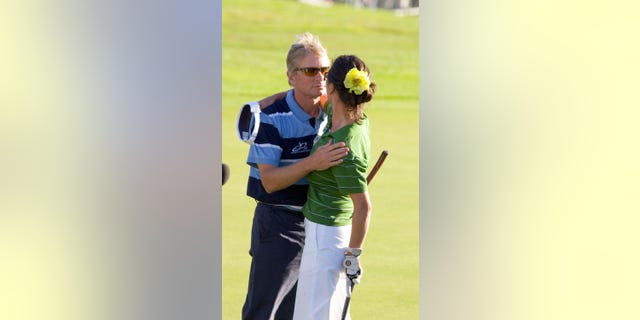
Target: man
285	131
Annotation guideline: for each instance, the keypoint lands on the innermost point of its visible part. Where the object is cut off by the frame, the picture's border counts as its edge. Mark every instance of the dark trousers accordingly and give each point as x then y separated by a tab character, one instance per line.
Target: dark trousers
277	238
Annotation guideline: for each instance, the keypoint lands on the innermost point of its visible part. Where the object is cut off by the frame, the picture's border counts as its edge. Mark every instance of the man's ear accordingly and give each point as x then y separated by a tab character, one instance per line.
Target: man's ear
289	77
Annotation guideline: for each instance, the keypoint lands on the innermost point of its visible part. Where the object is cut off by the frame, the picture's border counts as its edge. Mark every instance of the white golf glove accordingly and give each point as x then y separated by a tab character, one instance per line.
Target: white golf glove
351	263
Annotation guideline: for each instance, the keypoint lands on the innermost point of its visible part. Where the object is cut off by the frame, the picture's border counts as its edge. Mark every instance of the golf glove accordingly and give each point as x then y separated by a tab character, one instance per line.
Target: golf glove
352	267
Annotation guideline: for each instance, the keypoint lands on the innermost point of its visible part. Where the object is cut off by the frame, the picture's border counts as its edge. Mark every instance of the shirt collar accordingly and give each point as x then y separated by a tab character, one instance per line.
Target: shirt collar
295	107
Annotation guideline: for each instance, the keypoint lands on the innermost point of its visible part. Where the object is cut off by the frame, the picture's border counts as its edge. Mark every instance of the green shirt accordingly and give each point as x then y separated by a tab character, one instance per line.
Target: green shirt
328	200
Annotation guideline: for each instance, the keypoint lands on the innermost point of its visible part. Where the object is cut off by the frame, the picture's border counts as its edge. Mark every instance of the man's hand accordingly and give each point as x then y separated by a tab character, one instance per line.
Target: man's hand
323	100
329	155
276	178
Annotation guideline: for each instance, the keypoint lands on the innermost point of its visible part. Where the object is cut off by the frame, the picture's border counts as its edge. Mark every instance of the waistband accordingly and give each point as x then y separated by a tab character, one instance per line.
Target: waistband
288	207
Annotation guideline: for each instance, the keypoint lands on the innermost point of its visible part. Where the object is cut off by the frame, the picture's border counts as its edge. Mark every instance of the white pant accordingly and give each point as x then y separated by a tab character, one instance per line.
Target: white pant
322	283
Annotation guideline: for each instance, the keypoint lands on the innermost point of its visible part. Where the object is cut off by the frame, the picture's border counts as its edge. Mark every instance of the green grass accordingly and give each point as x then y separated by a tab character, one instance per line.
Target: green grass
255	38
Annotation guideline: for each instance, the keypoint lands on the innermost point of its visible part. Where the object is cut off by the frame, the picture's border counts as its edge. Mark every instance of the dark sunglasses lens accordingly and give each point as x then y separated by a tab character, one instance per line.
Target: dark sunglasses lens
311	72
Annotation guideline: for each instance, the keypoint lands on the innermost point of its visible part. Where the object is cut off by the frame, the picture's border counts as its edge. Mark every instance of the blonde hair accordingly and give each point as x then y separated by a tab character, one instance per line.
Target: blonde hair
304	45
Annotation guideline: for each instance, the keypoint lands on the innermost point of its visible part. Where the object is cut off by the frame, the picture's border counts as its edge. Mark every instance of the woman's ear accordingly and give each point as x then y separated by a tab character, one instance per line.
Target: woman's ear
330	88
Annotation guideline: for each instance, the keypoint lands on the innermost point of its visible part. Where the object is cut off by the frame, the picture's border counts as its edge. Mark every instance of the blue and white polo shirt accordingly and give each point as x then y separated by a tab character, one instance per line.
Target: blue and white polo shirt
285	136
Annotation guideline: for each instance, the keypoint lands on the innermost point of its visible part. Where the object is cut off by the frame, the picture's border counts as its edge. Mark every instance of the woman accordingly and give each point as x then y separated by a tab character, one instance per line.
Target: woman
338	208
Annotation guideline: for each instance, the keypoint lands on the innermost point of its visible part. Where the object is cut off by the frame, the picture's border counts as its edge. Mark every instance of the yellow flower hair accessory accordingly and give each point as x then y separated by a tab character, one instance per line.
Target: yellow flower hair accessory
357	81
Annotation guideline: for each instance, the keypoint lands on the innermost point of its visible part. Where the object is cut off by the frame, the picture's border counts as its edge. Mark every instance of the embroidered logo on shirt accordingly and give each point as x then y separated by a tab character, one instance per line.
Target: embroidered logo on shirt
300	148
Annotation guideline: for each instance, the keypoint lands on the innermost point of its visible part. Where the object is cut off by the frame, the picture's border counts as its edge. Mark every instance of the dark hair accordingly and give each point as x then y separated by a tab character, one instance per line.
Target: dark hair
354	103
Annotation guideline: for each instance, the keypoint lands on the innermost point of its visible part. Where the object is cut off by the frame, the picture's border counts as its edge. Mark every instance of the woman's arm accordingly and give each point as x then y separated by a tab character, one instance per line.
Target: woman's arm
361	216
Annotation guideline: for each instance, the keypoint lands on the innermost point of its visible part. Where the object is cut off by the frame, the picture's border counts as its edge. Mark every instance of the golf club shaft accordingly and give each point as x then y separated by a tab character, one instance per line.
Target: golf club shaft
345	309
377	166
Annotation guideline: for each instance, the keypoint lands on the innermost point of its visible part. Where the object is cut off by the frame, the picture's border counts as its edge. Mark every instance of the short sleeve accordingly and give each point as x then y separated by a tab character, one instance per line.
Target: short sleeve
266	148
351	175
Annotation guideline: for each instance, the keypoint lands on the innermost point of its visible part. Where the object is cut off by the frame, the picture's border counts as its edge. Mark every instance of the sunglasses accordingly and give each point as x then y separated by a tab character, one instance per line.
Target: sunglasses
311	72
